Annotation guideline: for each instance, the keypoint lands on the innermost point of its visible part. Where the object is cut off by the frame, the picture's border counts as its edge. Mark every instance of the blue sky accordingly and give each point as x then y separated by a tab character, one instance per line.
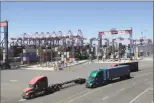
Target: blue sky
90	17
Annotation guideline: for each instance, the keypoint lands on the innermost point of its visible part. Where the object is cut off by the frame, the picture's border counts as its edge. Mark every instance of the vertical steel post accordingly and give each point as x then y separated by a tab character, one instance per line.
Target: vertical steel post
113	48
5	58
99	43
131	43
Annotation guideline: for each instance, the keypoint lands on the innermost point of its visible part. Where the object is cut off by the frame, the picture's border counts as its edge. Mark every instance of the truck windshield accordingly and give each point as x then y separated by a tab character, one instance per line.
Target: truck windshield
31	86
91	78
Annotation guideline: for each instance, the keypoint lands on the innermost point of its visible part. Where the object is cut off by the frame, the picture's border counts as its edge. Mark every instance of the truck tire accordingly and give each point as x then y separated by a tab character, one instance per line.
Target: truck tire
51	89
60	86
57	88
31	95
94	86
122	77
128	76
81	81
76	81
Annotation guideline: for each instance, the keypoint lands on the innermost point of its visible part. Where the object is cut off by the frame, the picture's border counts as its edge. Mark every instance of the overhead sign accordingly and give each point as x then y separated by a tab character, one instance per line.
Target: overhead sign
3	24
114	31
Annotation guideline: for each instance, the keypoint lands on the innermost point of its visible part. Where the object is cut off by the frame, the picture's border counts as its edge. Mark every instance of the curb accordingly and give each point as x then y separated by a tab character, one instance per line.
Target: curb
50	68
77	64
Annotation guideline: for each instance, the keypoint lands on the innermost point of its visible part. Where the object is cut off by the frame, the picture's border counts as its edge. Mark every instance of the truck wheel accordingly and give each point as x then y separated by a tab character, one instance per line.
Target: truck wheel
32	96
57	88
52	90
83	81
128	76
76	82
94	86
60	86
80	81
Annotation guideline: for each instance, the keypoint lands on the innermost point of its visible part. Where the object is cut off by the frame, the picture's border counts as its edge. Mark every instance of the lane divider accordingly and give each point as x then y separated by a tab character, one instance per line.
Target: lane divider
87	94
105	98
139	95
72	96
92	91
122	89
13	80
22	100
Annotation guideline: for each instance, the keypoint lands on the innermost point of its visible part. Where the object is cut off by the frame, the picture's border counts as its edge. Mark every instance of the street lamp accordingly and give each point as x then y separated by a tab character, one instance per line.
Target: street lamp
142	33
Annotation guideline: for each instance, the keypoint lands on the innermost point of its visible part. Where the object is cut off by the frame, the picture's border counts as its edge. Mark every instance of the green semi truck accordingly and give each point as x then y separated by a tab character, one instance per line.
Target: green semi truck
104	76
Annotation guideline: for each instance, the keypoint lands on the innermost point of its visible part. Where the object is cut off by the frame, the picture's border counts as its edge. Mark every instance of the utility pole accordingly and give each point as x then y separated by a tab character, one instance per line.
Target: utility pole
131	42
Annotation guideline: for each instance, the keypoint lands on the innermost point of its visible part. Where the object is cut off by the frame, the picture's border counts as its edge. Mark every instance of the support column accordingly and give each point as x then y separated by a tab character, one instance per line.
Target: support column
5	52
131	43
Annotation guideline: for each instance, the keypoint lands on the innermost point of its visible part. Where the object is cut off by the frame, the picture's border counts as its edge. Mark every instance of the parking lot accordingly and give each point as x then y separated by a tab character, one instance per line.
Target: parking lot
138	89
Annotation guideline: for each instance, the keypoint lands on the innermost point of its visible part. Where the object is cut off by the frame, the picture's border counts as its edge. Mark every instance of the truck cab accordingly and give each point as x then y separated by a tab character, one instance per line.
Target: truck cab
37	86
95	79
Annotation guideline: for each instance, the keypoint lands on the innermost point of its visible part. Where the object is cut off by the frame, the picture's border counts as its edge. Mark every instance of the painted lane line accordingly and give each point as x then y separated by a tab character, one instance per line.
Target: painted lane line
22	100
105	98
139	95
122	89
13	80
100	88
90	92
87	94
72	96
82	96
151	89
75	95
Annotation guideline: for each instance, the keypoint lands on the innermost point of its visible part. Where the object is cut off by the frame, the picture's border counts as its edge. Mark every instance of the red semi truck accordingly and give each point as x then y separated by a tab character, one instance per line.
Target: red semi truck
38	86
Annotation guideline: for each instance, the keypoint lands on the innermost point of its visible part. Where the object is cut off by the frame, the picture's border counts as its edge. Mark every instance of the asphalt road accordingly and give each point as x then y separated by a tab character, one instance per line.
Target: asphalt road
138	89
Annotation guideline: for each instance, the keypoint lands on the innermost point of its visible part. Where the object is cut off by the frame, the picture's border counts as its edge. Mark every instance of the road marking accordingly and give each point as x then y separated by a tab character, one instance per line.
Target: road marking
139	95
83	95
90	92
122	89
13	80
22	100
72	96
87	94
105	98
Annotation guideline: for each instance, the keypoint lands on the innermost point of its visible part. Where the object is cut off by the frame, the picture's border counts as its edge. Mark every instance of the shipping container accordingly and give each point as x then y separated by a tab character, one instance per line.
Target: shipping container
30	56
117	71
103	76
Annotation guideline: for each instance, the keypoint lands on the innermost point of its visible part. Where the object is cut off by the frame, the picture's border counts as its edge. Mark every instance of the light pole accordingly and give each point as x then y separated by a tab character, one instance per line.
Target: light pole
142	33
143	37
